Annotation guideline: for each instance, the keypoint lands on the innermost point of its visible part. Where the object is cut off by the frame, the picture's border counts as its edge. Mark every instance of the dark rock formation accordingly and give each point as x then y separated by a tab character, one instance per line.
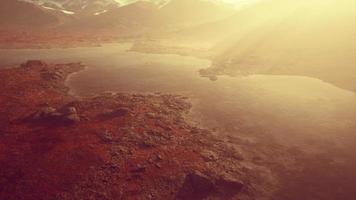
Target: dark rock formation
47	113
33	63
198	186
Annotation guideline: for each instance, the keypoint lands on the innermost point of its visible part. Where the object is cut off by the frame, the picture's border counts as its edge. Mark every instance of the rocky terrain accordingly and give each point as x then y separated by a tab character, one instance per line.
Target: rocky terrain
110	146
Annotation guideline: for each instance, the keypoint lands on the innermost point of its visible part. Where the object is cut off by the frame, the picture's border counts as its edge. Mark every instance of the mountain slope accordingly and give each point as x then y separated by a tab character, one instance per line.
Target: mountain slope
78	7
129	20
15	13
152	17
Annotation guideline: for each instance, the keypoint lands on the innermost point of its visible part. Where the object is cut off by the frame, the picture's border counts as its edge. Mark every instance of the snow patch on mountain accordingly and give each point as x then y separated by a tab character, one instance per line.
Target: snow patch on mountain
87	7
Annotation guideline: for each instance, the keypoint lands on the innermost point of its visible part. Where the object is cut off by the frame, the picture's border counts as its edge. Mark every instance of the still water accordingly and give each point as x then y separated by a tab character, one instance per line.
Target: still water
303	113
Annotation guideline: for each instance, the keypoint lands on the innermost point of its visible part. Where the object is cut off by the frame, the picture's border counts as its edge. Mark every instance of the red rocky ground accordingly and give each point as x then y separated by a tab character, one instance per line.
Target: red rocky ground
111	146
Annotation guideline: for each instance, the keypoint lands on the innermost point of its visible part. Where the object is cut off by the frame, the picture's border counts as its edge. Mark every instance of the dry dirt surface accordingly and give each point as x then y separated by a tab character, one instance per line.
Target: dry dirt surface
110	146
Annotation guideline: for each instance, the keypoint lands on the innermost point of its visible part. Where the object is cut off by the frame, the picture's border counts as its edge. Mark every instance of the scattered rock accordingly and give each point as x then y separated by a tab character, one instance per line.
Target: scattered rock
45	113
209	156
106	136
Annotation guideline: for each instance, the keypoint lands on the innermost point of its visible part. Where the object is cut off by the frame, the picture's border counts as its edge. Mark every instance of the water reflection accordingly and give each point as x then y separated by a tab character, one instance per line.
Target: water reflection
297	112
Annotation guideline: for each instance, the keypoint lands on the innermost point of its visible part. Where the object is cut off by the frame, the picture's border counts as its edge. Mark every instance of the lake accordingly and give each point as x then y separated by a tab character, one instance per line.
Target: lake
296	113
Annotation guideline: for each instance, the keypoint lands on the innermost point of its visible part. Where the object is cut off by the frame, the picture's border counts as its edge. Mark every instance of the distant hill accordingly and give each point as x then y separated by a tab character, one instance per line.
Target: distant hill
18	14
129	20
154	17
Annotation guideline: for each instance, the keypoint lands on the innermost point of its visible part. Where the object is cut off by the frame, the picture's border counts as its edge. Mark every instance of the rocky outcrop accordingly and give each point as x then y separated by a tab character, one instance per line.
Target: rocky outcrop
200	186
48	113
33	63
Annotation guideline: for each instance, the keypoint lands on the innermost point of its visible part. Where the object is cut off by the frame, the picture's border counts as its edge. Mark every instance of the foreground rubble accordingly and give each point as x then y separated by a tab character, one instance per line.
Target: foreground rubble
110	146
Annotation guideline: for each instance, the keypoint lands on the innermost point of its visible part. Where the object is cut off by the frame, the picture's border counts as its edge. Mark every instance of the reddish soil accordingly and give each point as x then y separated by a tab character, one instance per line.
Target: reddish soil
126	146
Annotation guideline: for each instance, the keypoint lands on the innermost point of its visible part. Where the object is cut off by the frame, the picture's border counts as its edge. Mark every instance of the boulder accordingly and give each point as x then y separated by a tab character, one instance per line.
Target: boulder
68	114
228	186
198	186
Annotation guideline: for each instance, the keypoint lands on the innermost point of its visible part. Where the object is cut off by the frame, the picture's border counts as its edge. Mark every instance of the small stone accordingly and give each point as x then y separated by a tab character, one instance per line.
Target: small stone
70	110
106	136
73	118
159	157
151	115
209	155
139	169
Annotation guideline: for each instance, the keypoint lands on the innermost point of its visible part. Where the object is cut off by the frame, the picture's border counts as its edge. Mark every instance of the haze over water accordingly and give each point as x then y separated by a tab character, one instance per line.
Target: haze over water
300	113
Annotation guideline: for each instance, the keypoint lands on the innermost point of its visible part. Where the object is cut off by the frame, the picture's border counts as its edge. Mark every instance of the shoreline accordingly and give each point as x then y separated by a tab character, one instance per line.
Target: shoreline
124	139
